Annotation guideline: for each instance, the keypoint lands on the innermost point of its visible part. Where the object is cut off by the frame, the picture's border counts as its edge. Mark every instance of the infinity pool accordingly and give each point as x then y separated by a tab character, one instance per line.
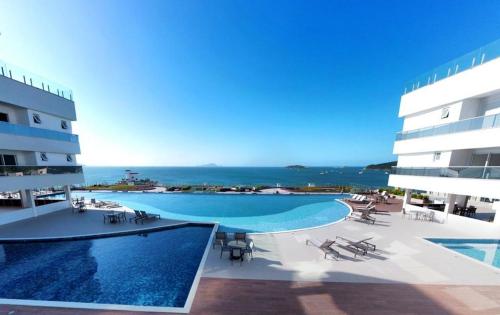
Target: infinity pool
251	213
485	250
153	269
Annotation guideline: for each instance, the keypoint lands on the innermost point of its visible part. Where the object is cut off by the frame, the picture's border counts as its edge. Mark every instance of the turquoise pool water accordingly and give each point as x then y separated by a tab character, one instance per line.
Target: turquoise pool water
250	213
485	250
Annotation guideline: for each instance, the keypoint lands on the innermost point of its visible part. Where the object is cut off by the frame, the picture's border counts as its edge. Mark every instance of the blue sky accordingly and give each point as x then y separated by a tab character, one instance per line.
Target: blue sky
239	82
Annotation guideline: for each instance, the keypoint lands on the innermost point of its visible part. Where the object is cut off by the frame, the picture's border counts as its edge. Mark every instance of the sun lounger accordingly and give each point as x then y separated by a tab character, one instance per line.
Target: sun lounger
325	247
363	216
362	244
350	247
138	216
148	216
369	206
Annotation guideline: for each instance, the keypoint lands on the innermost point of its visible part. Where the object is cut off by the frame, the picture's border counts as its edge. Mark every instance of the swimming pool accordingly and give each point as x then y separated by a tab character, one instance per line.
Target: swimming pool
236	212
152	269
484	250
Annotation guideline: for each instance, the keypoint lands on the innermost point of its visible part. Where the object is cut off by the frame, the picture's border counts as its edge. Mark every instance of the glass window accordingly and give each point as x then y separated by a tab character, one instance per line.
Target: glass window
64	124
37	119
43	156
4	117
445	113
69	158
9	159
437	156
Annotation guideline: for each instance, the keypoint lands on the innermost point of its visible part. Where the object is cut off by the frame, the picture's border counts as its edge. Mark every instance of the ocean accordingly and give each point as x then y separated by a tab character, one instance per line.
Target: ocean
247	176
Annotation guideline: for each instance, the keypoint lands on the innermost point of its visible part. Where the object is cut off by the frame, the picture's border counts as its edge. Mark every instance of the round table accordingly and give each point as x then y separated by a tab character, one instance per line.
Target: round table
237	244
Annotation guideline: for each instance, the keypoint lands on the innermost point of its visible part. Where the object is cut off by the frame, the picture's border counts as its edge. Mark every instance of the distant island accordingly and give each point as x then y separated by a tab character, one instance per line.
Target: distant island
296	166
382	166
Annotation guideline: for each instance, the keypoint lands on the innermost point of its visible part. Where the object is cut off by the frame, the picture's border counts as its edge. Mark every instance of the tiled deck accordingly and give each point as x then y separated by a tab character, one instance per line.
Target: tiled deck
66	223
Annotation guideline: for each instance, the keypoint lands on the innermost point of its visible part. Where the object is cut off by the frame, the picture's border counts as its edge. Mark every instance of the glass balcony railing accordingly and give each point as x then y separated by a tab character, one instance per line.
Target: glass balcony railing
480	172
22	130
476	123
17	170
26	77
468	61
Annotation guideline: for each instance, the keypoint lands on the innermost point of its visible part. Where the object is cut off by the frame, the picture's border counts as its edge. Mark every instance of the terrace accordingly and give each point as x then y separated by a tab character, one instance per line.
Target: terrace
286	275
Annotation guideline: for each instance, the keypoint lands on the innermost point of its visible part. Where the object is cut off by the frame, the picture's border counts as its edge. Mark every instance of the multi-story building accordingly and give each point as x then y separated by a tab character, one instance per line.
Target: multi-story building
450	142
37	147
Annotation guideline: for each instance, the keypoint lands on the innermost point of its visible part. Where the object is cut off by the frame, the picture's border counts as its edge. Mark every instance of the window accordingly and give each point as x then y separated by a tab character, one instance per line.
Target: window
437	156
69	158
4	117
43	156
445	113
8	159
37	119
64	124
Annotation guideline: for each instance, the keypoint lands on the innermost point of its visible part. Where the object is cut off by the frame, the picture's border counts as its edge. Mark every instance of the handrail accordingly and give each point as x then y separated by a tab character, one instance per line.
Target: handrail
24	76
35	170
475	123
475	58
27	131
478	172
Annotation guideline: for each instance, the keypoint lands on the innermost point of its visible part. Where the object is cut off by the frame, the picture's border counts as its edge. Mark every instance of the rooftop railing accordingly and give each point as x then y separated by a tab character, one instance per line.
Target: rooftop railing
17	170
36	81
479	172
22	130
476	123
475	58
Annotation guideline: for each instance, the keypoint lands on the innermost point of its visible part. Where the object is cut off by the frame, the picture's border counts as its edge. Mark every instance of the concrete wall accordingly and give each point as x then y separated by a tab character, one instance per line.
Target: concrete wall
17	93
10	216
14	183
22	143
51	122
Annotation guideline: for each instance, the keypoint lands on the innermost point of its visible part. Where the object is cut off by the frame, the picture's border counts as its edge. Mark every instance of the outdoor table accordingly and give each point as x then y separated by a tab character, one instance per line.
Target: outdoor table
237	244
112	217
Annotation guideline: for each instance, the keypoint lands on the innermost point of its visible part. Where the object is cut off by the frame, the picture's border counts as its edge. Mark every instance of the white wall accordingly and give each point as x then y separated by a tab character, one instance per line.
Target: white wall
22	157
48	121
54	159
432	117
17	93
479	81
424	160
17	115
22	143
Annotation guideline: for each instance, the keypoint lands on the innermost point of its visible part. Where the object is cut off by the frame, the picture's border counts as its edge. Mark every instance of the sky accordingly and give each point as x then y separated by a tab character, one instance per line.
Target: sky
239	83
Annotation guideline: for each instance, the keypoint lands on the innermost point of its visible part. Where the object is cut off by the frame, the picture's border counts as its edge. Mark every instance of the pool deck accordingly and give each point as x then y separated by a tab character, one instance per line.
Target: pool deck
405	275
66	223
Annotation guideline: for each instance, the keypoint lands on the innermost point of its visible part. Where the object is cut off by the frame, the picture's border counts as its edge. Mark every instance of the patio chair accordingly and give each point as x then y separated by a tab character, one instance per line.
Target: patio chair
249	249
240	236
223	248
138	216
149	216
236	254
325	247
92	201
220	239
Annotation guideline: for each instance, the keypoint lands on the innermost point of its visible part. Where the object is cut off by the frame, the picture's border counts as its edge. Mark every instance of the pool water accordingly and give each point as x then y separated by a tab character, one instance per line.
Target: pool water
237	212
155	269
485	250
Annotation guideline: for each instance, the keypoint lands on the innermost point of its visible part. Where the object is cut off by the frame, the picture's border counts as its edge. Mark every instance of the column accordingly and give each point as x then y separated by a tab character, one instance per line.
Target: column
496	207
406	199
67	192
450	204
28	201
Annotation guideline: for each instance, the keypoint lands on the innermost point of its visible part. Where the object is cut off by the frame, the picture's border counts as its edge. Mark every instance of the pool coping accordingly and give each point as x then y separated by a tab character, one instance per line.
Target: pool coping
122	307
458	254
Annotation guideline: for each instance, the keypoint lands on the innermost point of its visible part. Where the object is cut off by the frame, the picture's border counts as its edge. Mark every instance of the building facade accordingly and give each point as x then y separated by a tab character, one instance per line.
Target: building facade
37	147
450	143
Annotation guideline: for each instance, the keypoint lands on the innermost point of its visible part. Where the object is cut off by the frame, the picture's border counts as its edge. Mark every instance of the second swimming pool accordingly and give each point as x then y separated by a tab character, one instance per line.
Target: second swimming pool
250	213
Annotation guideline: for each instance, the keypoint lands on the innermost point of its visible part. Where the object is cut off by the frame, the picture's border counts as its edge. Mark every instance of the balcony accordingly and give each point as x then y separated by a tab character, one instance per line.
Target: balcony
18	170
475	58
476	123
28	78
477	172
26	131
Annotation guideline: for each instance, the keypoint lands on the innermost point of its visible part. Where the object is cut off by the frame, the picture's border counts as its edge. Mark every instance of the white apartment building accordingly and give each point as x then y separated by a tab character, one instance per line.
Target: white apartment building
37	147
450	142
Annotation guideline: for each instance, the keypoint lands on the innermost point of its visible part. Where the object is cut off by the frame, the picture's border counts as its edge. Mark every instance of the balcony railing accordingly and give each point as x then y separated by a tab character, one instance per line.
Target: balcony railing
468	61
475	123
17	170
22	130
26	77
480	172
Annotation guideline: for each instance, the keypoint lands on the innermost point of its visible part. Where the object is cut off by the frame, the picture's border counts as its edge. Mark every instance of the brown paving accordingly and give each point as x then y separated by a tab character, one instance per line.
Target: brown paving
232	296
392	205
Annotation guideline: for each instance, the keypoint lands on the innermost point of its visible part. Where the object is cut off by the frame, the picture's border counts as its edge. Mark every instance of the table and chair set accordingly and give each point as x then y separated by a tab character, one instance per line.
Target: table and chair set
237	247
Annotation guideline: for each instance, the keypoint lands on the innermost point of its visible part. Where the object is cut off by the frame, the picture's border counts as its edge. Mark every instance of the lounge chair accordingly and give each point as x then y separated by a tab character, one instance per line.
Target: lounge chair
350	247
149	216
362	244
219	236
138	216
369	206
360	199
365	216
325	247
